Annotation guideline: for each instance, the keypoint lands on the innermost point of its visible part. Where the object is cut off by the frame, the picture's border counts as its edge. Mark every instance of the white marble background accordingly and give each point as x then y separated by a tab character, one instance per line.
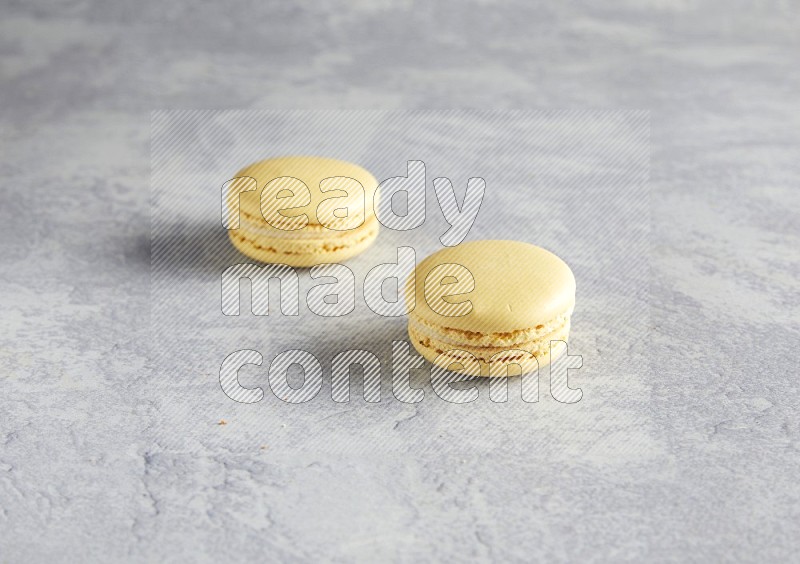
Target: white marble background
701	467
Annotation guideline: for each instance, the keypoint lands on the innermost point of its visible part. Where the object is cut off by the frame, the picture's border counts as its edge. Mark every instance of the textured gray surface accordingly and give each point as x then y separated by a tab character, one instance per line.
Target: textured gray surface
695	459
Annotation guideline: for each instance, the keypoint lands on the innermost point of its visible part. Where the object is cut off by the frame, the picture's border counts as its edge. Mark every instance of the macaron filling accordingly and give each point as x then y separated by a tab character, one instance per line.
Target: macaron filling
305	243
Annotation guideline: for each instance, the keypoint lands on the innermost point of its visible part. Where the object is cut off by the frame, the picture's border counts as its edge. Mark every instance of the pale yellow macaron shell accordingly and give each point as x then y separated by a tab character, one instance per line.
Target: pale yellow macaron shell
517	287
311	171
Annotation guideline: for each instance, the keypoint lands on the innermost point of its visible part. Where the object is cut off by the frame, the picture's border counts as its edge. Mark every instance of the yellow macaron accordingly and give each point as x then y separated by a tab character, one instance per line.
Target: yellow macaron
302	210
483	306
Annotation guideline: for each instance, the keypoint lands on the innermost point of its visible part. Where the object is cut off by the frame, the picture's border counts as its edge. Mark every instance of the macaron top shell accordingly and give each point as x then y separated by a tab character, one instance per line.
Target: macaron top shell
516	286
311	171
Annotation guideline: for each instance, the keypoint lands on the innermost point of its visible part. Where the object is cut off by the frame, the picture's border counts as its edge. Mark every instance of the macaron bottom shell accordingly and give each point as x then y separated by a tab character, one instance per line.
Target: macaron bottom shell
328	247
500	361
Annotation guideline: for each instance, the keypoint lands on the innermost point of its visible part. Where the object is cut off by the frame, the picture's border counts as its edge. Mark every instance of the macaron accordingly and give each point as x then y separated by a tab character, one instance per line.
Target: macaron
302	210
490	308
